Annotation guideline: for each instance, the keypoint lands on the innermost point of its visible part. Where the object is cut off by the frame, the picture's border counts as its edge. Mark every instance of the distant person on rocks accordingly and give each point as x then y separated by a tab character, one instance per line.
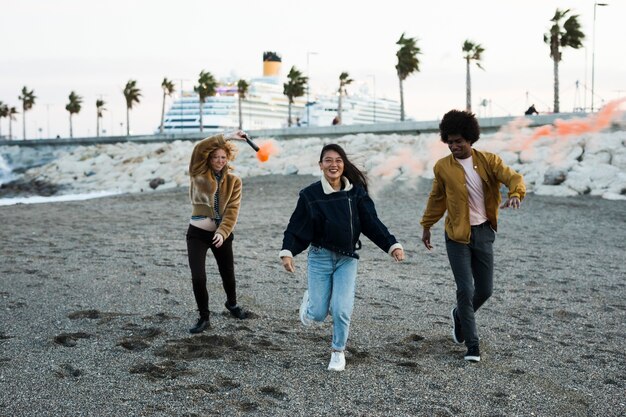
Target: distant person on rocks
215	196
467	187
328	219
531	110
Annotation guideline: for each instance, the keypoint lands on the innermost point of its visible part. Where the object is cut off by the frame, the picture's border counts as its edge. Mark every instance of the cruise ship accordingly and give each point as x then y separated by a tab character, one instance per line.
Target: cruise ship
357	109
266	107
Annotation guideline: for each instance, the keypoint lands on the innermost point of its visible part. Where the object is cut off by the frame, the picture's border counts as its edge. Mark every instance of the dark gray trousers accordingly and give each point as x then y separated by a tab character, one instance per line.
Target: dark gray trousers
472	266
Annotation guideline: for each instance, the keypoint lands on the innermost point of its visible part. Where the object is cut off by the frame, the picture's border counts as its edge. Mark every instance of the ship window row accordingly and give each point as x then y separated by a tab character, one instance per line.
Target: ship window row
191	127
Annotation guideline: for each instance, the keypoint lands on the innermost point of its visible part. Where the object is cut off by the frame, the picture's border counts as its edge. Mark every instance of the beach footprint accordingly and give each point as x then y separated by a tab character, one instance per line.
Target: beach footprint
67	370
200	347
70	339
163	370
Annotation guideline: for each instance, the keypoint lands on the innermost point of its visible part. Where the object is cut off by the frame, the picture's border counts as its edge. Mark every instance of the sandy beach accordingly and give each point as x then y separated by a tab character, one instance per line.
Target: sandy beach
96	302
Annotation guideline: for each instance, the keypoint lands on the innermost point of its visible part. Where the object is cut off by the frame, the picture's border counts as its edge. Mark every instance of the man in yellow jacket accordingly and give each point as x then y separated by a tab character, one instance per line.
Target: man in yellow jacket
467	186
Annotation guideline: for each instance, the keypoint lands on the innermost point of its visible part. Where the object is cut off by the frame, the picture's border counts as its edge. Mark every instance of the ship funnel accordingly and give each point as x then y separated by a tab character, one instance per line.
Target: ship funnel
271	64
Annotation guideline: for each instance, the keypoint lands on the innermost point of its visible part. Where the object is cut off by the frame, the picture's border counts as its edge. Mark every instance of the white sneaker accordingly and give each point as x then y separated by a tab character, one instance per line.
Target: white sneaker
337	361
303	307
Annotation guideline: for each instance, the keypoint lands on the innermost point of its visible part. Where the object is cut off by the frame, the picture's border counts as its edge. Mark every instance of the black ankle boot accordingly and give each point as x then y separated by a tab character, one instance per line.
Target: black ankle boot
201	325
236	311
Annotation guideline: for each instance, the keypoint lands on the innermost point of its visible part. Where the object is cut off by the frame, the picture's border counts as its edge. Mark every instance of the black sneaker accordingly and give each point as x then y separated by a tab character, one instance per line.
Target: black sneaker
457	333
201	325
473	354
236	311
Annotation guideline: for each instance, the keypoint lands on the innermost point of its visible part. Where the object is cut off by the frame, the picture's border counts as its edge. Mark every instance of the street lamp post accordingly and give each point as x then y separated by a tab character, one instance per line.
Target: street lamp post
181	107
593	52
308	104
48	120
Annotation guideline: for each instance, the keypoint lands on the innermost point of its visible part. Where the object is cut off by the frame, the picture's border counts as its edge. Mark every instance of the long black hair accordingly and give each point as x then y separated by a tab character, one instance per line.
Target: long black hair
350	171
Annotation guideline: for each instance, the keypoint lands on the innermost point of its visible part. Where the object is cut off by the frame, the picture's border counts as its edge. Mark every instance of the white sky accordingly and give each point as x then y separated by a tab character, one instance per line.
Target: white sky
95	47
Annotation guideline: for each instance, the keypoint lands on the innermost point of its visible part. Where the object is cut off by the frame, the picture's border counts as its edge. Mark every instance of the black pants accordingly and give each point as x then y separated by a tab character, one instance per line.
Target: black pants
198	243
472	266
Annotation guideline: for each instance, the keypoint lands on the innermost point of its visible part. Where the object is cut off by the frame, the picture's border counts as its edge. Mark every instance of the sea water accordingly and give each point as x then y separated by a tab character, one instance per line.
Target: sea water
56	198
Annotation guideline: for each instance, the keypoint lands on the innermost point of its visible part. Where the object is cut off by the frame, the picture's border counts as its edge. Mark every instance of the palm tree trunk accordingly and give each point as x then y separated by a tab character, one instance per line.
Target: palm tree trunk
401	100
240	118
201	121
162	114
127	121
289	117
468	88
24	125
339	108
10	128
71	131
97	126
556	86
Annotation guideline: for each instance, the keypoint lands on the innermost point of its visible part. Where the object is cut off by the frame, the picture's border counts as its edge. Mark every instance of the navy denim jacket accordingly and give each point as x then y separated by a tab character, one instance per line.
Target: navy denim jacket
335	221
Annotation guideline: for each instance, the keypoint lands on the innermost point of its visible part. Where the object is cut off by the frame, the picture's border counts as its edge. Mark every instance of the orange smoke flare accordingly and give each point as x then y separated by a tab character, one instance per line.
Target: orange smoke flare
266	149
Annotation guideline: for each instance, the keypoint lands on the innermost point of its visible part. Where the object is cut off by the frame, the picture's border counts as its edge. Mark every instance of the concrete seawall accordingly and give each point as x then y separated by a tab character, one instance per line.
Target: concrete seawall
488	124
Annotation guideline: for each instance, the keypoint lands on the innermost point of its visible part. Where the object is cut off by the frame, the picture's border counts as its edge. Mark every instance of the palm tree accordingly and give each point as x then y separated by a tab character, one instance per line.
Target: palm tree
206	88
4	112
73	107
344	80
293	88
242	91
168	90
99	109
131	94
12	112
28	101
560	37
408	63
472	52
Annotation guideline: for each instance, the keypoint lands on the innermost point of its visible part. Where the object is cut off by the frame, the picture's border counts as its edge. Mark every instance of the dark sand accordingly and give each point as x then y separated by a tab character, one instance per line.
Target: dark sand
96	300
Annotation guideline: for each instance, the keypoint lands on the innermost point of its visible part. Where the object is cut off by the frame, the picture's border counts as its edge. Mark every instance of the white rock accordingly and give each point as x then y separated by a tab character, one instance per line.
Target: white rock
555	190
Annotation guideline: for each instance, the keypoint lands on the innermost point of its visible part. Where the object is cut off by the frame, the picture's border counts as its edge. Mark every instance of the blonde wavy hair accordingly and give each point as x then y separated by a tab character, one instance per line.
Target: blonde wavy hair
201	167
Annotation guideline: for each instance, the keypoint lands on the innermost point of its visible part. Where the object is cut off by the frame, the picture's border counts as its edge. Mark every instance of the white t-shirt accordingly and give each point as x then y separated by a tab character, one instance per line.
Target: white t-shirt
476	200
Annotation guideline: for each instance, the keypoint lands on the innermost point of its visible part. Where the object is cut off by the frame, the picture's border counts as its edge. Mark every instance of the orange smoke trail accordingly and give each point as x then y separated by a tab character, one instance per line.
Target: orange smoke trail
572	127
606	114
592	123
542	131
403	160
266	149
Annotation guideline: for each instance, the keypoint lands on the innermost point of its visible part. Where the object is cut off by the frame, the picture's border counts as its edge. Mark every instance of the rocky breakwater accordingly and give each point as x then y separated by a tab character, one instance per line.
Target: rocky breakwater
553	160
15	161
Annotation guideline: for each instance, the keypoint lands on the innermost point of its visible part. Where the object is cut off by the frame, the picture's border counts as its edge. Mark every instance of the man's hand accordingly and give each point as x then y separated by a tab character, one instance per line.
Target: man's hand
218	240
398	254
512	202
236	135
288	264
426	239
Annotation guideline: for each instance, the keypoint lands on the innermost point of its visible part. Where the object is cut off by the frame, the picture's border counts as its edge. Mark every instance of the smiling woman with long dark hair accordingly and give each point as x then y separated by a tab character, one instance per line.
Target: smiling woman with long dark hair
329	218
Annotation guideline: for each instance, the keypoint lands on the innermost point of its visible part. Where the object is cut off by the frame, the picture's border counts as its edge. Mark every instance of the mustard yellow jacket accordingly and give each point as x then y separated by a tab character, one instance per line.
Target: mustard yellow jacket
204	184
449	192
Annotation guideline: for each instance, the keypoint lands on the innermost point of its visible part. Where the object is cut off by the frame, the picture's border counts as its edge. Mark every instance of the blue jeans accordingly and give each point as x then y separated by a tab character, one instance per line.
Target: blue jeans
472	266
331	280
